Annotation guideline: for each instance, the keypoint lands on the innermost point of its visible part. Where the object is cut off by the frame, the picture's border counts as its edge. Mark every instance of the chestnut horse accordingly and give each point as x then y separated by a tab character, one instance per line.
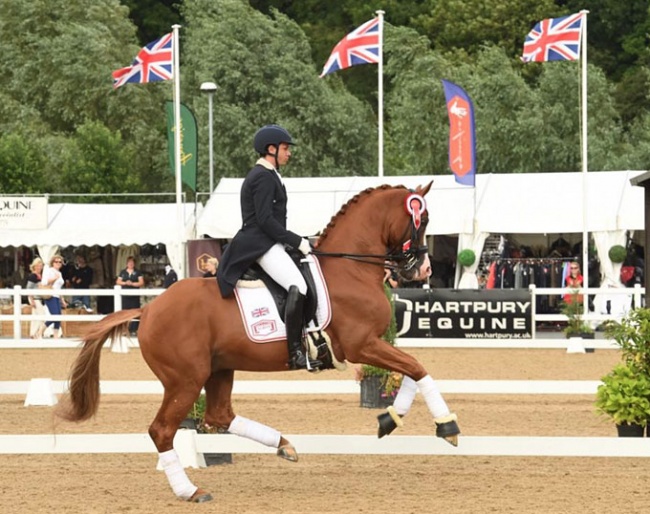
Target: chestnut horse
192	340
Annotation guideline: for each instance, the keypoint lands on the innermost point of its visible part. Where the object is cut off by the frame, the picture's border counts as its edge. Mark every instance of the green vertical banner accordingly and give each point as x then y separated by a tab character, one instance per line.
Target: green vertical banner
189	143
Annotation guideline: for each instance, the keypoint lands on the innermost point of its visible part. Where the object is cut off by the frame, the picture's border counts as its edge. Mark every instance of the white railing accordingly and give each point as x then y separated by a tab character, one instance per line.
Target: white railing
636	295
12	297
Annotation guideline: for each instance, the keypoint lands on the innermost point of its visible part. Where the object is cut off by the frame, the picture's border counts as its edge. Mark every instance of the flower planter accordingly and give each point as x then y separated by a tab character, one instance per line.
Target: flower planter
211	459
372	395
630	430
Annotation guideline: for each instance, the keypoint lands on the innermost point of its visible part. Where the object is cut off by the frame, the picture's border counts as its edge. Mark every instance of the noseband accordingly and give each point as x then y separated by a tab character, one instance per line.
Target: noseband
407	256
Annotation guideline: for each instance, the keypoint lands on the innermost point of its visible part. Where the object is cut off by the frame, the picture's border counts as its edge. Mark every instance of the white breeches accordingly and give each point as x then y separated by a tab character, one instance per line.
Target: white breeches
277	263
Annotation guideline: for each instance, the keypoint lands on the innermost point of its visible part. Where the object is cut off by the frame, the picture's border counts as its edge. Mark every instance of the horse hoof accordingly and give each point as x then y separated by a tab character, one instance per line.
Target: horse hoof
447	429
388	421
288	452
201	496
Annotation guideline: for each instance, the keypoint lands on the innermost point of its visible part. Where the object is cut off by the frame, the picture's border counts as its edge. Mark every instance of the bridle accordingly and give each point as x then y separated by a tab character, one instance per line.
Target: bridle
406	254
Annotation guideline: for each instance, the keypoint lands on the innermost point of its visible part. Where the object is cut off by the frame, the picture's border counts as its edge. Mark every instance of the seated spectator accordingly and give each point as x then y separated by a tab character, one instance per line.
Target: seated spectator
211	266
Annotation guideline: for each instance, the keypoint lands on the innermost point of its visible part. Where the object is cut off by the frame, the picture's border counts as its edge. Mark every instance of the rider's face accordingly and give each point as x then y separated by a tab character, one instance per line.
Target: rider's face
284	153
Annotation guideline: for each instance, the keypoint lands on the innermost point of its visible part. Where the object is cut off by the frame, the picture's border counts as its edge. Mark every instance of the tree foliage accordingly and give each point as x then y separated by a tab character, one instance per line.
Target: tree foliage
64	129
263	67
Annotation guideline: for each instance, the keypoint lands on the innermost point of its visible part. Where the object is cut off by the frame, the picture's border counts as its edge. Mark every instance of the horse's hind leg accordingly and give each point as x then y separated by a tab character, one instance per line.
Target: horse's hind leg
176	403
220	417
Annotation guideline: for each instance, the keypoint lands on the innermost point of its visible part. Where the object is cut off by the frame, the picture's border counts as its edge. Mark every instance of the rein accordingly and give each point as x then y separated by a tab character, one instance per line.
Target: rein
407	254
416	207
362	257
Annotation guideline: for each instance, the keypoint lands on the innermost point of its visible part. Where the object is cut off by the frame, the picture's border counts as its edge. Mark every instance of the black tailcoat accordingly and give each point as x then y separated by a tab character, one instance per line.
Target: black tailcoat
264	222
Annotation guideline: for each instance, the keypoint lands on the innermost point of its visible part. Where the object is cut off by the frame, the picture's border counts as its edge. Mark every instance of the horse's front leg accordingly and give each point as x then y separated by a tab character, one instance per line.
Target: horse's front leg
220	417
415	378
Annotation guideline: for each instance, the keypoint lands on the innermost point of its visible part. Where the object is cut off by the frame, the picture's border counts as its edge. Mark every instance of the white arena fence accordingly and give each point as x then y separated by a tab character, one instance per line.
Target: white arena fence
12	297
191	446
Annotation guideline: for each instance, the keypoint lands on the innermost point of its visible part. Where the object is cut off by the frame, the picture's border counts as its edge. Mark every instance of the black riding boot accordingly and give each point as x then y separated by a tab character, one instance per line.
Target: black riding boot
294	323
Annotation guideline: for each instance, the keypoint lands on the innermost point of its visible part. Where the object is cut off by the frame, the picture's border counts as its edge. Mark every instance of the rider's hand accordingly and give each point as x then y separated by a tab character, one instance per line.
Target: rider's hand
305	247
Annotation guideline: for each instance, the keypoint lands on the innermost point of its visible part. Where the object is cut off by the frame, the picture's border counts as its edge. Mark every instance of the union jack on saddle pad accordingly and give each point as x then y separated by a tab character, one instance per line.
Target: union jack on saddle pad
260	315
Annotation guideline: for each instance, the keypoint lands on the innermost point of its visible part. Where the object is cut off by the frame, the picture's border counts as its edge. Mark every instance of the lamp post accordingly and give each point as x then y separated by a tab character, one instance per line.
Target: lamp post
209	88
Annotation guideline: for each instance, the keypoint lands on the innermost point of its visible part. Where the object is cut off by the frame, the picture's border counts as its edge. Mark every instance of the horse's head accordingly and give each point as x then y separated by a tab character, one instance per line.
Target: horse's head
409	250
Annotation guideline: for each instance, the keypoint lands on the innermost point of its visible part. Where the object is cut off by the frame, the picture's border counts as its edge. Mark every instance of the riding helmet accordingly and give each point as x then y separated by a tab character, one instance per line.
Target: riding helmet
270	135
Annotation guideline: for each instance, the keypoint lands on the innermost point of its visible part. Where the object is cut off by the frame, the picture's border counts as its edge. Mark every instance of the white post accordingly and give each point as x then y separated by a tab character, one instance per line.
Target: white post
209	88
585	168
180	218
380	95
210	95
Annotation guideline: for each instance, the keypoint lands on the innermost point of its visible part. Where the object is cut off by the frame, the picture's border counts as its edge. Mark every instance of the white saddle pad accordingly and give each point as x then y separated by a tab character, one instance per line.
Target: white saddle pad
260	315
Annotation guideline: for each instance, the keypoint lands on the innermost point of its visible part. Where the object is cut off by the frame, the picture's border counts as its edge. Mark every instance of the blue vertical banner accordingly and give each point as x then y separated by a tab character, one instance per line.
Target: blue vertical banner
462	138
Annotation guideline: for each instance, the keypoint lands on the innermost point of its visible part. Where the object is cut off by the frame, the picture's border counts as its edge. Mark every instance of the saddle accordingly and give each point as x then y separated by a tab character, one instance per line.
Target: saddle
279	294
316	342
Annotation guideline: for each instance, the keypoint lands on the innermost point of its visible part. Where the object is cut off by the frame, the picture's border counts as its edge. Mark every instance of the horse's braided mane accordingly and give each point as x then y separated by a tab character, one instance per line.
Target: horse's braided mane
344	209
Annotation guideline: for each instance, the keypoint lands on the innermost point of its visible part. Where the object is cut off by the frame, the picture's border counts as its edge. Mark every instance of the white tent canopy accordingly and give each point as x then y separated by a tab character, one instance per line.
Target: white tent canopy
108	224
530	203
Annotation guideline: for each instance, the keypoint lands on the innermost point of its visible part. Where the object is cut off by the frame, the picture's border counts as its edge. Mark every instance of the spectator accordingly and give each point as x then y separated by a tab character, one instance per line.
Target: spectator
573	281
391	278
170	276
36	327
130	278
80	278
211	265
52	282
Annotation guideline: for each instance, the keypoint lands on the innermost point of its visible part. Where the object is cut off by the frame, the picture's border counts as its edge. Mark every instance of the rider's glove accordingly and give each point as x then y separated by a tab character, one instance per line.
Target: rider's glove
305	247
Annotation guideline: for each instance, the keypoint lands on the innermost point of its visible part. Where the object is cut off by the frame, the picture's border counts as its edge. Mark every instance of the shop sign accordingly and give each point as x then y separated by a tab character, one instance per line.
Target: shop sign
463	313
23	213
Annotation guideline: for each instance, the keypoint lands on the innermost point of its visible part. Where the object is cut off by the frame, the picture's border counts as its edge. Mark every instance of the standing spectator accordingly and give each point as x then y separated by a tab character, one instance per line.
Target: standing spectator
211	265
170	277
80	278
36	327
52	282
573	281
130	278
391	278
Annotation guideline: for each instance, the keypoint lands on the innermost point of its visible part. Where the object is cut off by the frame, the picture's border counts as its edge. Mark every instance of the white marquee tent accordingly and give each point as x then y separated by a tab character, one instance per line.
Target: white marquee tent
107	224
530	203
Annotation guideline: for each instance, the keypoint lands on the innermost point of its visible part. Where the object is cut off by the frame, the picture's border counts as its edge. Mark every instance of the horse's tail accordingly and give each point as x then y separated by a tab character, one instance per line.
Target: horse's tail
82	400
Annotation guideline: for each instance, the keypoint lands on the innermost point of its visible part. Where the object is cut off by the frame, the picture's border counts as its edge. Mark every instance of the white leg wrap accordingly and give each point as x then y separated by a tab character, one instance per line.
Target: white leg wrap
432	396
176	475
256	431
405	396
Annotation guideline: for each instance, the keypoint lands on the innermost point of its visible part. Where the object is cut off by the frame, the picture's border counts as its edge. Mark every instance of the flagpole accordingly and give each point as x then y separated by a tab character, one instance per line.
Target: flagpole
380	95
177	146
585	167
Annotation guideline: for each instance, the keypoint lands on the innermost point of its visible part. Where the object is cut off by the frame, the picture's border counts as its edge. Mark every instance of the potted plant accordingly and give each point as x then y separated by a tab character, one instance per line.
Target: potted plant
380	386
576	326
632	335
625	392
196	421
624	396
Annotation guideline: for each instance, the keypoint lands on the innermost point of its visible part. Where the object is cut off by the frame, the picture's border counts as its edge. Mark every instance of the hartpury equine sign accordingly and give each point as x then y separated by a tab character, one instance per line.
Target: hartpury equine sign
463	313
23	212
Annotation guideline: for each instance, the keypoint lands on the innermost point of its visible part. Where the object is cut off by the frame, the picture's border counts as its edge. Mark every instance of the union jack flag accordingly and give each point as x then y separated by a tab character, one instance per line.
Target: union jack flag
152	64
554	39
259	312
361	46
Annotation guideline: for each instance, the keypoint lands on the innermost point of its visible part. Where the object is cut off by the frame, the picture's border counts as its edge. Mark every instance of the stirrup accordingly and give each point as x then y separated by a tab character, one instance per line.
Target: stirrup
300	360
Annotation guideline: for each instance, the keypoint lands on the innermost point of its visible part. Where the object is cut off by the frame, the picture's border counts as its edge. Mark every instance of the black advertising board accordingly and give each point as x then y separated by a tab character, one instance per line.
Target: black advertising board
463	313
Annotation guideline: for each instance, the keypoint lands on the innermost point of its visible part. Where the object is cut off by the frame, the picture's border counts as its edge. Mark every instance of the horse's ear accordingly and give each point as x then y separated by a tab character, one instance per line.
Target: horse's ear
423	190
